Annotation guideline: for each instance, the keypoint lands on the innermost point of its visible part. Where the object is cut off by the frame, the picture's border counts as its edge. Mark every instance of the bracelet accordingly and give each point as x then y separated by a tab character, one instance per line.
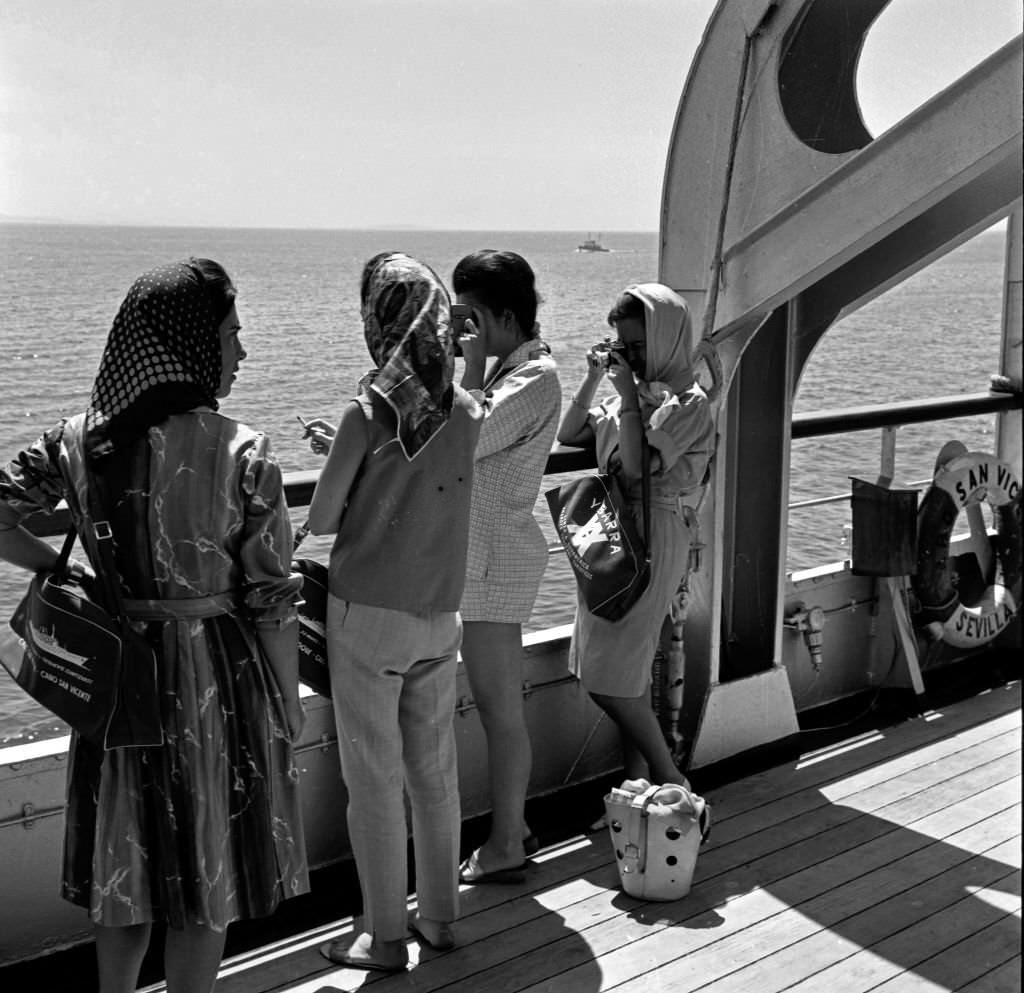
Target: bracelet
631	410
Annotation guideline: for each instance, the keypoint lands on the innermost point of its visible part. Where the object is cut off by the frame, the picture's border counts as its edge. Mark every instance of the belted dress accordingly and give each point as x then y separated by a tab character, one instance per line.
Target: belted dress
206	828
614	658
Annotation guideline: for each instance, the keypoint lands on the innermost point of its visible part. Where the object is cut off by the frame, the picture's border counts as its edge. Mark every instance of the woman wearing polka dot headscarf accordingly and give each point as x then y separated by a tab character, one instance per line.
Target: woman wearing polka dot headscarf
204	829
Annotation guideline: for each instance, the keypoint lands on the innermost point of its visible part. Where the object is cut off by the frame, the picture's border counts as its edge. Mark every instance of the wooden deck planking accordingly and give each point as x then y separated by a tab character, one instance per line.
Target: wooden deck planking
891	861
563	877
800	942
826	787
909	950
1003	978
963	964
897	745
508	949
709	948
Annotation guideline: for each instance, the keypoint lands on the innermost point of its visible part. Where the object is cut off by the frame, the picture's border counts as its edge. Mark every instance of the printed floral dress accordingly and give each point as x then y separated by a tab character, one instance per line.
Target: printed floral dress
205	829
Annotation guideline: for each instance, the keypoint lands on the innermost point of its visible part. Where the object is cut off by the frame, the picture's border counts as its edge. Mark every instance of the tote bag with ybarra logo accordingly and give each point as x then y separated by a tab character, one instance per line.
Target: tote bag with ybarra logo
599	534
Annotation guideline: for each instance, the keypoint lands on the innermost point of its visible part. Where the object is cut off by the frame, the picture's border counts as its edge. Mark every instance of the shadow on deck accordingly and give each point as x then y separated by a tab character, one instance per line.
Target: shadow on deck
889	861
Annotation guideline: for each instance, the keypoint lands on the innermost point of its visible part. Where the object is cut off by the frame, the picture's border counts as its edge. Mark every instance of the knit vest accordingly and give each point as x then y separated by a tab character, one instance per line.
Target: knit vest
403	536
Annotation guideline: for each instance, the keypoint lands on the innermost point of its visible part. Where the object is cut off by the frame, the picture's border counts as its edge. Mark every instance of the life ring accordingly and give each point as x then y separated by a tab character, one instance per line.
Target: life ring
960	482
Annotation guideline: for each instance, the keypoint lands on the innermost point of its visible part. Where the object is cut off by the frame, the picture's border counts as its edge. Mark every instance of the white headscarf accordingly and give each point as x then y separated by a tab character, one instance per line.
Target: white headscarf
669	369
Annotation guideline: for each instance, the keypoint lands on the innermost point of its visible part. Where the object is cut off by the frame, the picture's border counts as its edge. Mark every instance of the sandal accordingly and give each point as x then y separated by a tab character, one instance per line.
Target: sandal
358	954
472	871
443	941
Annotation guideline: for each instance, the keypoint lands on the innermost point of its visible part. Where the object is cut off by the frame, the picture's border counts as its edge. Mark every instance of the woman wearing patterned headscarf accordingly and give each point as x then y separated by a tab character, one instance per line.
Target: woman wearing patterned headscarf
658	399
396	490
204	829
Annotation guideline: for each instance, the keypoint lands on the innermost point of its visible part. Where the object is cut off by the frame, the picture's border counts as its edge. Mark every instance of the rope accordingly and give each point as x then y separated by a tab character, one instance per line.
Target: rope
730	165
583	748
705	350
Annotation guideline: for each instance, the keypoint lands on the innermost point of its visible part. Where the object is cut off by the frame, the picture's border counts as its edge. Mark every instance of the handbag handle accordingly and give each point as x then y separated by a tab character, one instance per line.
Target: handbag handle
61	565
635	850
107	576
645	490
645	799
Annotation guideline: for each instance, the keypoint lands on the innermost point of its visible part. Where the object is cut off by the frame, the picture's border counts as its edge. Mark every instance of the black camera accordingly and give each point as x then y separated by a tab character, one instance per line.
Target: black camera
605	349
459	312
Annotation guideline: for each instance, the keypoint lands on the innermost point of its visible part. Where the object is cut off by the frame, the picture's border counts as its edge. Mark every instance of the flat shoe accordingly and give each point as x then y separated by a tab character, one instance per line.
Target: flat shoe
472	871
445	939
339	953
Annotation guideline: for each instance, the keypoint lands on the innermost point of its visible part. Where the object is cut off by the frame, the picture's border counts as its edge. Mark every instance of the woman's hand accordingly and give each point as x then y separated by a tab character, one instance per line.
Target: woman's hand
597	362
320	434
621	377
80	572
575	428
473	342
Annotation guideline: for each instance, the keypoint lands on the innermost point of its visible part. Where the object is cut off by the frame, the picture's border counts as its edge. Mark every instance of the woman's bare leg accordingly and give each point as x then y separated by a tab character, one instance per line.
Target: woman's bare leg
119	954
192	957
633	762
492	654
638	722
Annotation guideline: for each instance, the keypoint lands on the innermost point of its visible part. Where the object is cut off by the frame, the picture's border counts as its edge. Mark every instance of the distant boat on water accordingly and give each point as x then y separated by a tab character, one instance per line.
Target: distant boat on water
592	244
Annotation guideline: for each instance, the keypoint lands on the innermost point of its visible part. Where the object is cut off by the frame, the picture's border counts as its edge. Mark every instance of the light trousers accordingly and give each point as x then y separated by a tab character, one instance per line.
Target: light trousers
393	685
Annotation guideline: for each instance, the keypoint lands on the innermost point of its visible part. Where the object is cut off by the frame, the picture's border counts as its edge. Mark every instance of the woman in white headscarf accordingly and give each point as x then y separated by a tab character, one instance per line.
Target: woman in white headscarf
656	397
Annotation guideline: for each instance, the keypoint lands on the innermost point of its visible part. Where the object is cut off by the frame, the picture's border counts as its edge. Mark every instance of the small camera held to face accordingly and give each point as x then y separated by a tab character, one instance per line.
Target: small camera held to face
459	313
606	349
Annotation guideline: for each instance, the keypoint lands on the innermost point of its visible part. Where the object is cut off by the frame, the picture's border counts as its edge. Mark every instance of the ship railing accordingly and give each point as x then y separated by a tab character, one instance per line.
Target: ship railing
299	486
885	417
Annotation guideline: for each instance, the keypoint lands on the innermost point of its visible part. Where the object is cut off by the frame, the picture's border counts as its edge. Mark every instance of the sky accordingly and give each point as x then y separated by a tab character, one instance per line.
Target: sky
461	114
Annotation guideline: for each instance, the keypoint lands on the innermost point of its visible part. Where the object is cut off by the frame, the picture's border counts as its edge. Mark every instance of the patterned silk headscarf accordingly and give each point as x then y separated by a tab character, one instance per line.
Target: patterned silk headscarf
406	323
162	357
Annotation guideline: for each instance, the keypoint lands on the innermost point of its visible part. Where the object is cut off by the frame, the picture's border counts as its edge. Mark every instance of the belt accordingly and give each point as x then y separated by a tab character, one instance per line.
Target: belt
186	608
676	502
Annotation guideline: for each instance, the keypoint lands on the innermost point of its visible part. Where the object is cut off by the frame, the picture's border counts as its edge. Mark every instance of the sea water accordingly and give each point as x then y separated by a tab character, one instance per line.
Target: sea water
934	335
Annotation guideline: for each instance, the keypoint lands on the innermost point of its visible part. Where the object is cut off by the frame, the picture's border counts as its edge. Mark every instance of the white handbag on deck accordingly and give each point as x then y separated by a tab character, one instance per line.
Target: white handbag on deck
656	833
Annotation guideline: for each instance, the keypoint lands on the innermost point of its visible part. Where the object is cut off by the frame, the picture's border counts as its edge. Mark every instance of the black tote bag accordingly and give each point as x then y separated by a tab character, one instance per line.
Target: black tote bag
597	529
84	664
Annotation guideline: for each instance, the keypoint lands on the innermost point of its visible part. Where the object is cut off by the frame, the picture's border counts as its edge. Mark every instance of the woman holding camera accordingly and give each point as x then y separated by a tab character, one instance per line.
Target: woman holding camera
656	400
521	398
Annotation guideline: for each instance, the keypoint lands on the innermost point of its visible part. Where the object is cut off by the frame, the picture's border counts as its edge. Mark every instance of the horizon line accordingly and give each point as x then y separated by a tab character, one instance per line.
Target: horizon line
15	219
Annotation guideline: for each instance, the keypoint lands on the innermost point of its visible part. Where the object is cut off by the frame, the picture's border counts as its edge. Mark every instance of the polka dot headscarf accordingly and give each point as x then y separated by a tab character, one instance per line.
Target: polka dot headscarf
162	357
